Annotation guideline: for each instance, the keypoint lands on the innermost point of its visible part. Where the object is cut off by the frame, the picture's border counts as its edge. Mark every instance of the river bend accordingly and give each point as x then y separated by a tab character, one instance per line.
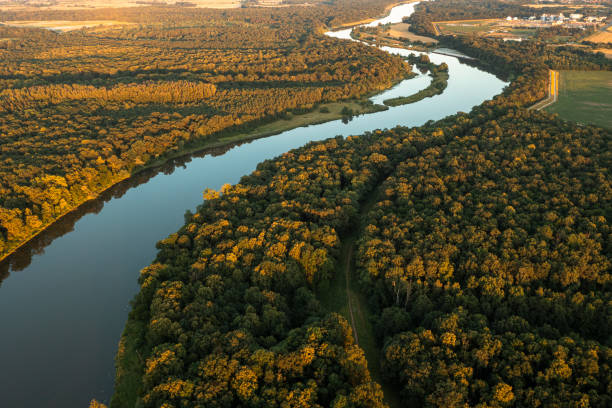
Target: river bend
65	297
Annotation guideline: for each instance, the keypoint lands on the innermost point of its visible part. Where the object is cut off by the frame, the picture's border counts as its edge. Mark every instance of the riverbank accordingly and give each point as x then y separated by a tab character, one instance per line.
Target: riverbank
83	272
315	116
439	82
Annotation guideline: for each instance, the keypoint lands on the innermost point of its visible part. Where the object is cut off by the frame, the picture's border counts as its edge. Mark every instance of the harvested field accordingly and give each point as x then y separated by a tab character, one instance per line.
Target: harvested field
601	37
62	25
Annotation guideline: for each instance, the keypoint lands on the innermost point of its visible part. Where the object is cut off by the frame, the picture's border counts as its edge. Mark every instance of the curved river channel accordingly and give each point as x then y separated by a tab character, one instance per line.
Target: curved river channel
65	296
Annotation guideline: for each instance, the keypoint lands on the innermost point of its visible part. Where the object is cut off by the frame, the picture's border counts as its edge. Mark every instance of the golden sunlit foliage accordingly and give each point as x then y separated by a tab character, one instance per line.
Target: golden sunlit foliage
82	110
228	308
489	261
486	260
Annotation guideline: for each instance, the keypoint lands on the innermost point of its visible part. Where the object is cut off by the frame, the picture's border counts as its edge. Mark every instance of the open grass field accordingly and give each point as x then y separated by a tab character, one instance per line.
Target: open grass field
498	28
462	27
585	97
402	31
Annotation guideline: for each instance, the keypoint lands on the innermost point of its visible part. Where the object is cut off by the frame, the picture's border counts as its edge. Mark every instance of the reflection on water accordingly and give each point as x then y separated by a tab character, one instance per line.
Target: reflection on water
22	257
63	312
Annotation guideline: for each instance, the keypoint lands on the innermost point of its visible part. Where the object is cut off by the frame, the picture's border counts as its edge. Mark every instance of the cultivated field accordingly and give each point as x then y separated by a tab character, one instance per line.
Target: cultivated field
584	97
460	27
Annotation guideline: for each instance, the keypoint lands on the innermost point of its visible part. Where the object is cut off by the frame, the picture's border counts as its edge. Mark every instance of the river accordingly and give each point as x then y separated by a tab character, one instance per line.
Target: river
65	296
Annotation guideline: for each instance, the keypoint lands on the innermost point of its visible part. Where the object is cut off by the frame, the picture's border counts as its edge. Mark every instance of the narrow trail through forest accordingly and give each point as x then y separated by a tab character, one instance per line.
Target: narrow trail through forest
344	296
347	271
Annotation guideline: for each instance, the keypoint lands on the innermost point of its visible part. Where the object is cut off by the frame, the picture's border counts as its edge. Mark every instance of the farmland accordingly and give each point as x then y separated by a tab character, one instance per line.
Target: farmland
584	97
63	25
604	36
466	26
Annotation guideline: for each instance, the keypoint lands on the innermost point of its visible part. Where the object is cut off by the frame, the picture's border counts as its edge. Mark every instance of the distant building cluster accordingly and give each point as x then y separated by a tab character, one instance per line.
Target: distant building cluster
591	2
575	20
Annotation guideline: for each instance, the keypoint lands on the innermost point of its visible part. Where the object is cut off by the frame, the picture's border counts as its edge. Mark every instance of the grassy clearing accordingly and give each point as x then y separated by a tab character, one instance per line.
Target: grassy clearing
496	28
465	27
606	51
584	97
336	298
130	366
569	6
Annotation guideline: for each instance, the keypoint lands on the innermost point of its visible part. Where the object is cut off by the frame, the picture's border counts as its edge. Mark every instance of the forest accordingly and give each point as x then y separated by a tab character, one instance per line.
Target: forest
485	259
82	110
486	256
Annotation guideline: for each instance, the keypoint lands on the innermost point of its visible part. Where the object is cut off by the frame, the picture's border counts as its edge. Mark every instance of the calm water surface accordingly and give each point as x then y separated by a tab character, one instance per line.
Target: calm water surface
65	298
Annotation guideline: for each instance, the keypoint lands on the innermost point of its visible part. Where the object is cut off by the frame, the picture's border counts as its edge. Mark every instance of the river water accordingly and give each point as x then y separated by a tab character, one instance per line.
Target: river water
65	297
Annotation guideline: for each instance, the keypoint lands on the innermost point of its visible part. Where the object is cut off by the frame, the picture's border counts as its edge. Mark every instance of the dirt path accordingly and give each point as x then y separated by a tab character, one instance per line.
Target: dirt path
553	92
343	296
347	273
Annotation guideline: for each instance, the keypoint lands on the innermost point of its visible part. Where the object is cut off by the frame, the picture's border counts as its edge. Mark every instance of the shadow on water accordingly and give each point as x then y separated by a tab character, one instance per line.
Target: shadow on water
22	257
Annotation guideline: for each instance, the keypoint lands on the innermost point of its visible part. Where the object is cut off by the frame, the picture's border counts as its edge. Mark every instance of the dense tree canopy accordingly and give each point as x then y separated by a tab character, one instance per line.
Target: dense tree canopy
489	261
486	261
82	110
486	258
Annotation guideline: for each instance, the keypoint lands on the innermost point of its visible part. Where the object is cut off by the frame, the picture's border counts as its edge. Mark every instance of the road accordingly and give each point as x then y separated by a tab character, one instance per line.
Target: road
553	91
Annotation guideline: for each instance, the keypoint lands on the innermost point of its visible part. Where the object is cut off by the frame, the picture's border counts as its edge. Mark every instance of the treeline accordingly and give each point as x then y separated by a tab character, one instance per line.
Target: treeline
84	109
179	92
327	12
486	259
